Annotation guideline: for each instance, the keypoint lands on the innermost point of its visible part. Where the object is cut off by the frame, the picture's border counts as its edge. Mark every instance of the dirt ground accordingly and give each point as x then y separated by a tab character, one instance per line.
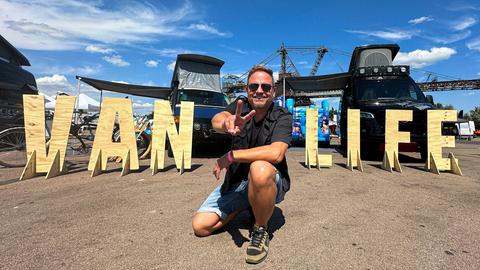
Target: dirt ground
331	219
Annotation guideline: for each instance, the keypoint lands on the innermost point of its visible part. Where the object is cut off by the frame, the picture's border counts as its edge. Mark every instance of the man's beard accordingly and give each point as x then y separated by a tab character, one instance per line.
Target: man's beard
260	105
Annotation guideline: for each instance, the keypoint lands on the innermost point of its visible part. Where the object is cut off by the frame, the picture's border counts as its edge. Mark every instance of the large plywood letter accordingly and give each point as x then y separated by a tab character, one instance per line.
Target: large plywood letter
104	147
435	141
181	142
353	140
39	161
312	158
393	136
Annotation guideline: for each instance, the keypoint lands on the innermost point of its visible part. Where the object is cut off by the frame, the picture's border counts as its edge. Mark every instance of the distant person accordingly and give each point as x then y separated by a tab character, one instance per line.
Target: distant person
257	173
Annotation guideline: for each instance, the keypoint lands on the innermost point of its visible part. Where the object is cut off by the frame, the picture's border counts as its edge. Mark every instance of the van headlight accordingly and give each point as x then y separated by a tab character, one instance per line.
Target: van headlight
197	126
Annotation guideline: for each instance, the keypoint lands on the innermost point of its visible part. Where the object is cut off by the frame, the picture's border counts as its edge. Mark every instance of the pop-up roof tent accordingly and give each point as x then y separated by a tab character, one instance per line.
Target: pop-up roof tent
192	71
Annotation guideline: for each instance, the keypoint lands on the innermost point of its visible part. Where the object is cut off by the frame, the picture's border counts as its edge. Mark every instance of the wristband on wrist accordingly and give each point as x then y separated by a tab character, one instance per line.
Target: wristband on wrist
230	157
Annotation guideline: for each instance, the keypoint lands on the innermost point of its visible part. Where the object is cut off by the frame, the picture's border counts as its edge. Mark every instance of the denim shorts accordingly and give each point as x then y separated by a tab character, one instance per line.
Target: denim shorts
235	198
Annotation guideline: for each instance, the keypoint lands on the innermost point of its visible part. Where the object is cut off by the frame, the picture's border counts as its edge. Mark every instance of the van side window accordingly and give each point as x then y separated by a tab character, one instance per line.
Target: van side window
413	93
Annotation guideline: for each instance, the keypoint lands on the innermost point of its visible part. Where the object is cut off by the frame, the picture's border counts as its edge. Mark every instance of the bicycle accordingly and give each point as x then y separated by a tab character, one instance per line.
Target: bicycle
143	136
13	147
13	142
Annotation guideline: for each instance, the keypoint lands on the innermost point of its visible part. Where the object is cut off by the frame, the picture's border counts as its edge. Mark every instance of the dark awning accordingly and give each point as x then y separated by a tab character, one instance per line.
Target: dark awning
131	89
331	85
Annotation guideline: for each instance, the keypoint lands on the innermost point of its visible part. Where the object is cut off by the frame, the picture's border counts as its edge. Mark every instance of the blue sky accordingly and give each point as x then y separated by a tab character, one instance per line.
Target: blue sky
137	41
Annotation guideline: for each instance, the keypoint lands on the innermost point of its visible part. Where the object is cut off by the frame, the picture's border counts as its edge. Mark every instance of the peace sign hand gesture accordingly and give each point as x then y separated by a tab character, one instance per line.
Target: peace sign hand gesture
233	124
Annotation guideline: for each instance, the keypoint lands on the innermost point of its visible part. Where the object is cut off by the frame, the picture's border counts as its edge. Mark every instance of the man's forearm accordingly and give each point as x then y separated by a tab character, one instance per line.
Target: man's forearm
271	153
217	121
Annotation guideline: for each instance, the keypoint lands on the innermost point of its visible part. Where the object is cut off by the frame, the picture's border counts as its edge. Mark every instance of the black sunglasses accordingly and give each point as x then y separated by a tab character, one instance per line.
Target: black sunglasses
254	87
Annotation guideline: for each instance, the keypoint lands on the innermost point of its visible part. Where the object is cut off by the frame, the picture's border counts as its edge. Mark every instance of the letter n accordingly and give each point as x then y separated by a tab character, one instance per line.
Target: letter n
181	142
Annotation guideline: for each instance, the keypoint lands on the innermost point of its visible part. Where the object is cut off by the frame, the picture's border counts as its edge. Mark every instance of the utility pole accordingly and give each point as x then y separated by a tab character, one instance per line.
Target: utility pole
283	53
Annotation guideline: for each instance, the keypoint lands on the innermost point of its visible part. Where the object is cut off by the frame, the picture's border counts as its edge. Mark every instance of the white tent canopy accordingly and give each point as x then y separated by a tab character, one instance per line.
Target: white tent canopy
83	102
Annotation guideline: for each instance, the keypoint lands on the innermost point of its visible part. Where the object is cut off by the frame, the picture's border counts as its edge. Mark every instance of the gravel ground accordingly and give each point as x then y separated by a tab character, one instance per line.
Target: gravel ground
331	219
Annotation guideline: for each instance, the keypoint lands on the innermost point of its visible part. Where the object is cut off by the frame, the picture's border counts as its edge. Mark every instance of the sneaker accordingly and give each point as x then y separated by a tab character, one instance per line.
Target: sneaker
258	249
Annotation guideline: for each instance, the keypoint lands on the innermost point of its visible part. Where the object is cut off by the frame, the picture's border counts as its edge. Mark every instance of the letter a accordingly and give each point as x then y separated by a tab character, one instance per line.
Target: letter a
104	147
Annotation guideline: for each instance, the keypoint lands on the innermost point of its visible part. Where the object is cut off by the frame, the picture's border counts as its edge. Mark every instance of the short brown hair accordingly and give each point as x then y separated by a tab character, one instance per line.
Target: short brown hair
260	68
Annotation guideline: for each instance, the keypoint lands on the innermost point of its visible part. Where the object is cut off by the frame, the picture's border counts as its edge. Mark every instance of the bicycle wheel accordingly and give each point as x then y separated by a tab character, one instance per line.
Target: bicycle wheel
142	139
143	144
81	138
13	147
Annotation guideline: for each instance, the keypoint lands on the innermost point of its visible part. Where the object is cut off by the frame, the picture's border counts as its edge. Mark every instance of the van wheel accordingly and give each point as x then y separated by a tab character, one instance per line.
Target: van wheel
371	153
343	142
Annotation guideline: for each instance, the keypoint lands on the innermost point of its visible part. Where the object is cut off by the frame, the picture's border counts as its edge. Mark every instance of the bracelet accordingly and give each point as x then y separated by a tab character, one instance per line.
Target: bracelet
230	157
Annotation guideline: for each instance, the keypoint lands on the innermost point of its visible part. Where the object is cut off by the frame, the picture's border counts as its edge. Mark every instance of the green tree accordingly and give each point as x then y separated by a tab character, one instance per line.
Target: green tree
474	115
444	107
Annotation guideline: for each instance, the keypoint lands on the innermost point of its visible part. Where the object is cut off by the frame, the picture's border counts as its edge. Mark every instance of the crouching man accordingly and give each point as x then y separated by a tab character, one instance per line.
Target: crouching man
257	173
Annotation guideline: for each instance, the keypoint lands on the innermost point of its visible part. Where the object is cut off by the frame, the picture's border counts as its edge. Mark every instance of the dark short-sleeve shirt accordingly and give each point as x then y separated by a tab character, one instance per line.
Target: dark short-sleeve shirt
275	127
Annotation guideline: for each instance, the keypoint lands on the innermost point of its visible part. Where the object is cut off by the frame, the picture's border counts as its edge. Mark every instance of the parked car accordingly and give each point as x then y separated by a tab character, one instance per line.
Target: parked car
14	82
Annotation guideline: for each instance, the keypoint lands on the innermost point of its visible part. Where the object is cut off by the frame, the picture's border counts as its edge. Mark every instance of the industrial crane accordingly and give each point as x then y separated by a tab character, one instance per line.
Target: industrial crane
233	83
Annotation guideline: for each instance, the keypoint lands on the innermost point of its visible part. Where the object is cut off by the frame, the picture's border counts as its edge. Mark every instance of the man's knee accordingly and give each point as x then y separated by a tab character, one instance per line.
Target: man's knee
261	174
202	224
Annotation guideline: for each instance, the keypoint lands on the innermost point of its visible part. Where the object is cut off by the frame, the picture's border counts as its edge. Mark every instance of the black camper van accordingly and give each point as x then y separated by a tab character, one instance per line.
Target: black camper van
14	82
375	85
196	78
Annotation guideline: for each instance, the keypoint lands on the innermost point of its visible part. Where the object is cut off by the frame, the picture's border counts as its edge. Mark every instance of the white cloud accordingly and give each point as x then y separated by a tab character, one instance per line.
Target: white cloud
422	58
173	52
116	60
50	85
302	63
151	63
207	29
388	35
142	105
149	83
171	66
275	75
237	50
87	70
474	44
55	79
75	24
420	20
99	49
464	24
42	69
124	82
458	6
447	39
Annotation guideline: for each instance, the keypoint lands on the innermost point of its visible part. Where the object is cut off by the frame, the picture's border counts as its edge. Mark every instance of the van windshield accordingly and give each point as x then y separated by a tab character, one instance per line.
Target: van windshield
202	97
399	88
